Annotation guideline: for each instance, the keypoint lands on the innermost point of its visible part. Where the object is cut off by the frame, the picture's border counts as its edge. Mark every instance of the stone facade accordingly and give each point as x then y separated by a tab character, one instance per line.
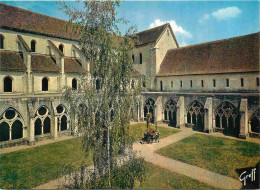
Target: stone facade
32	79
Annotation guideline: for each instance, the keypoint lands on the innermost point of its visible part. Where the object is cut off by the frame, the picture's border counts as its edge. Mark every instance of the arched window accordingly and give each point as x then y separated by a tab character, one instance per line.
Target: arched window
45	86
133	58
74	84
2	41
33	45
61	47
195	115
227	118
42	123
11	125
170	112
141	58
8	86
149	107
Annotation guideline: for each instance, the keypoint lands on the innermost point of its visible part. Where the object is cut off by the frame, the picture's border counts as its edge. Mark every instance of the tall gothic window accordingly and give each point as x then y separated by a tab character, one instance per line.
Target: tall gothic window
74	84
45	85
62	118
8	84
33	45
42	123
61	47
2	41
141	58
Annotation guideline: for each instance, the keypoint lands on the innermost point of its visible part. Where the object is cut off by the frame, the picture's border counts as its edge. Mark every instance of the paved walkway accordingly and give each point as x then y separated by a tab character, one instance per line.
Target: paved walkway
147	152
40	143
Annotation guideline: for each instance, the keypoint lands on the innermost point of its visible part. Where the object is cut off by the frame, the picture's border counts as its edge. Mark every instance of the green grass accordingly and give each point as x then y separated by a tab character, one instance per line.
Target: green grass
220	155
159	178
137	131
31	167
35	166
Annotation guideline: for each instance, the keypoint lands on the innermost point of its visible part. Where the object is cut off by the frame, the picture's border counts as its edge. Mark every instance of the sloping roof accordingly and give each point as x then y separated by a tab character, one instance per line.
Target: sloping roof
11	61
152	35
73	65
44	63
239	54
28	21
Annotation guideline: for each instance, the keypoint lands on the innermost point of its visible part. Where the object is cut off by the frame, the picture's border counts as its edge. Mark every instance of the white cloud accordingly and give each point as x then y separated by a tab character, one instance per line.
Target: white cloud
204	19
181	34
226	13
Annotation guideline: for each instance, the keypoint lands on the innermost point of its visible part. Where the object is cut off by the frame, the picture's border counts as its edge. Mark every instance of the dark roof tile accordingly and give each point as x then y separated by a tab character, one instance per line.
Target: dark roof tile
11	61
239	54
73	65
44	63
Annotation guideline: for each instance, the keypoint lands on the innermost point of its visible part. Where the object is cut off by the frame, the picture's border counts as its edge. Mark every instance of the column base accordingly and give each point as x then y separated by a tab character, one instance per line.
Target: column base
242	136
31	143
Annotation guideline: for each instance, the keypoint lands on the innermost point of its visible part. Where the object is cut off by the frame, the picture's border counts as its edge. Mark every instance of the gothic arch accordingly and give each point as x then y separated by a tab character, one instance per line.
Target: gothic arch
170	112
62	117
11	125
195	115
42	124
255	121
149	107
227	118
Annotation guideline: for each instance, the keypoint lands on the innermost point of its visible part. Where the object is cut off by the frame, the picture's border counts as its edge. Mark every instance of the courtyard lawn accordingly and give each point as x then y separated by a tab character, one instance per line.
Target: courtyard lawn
217	154
159	178
31	167
137	131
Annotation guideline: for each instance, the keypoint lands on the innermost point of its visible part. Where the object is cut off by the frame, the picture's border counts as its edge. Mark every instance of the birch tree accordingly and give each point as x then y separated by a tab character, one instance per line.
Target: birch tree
102	103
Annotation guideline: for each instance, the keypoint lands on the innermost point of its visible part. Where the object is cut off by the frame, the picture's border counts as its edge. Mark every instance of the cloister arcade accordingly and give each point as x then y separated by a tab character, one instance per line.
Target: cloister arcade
195	115
11	125
170	114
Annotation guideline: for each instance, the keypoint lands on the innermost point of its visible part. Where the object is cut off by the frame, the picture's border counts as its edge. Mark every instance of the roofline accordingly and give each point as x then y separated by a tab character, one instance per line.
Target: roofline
168	25
210	42
172	75
37	33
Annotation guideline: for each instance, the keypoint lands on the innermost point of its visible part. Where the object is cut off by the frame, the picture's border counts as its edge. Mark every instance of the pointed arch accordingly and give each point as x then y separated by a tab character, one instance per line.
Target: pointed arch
149	107
170	112
255	121
195	115
227	118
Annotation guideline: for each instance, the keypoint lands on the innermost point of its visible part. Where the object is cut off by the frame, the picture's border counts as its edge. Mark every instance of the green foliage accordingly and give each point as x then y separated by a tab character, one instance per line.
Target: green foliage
102	102
217	154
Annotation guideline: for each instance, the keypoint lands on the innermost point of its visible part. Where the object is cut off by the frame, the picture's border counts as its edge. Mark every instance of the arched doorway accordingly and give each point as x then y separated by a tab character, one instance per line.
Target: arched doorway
149	107
195	115
227	120
255	121
170	113
42	124
11	125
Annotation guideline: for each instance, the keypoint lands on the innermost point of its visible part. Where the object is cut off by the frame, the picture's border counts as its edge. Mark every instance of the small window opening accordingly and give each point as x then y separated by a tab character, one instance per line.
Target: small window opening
45	86
8	84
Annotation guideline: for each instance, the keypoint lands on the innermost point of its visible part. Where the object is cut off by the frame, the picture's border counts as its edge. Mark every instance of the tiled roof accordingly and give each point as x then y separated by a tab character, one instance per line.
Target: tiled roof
239	54
73	65
44	63
11	61
152	35
28	21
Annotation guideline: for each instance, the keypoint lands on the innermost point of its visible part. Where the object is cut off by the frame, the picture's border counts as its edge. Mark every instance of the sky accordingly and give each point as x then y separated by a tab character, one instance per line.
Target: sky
192	22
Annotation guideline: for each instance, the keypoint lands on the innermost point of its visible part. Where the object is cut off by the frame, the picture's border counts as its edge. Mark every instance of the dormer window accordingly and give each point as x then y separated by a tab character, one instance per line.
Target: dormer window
33	45
61	47
141	58
2	41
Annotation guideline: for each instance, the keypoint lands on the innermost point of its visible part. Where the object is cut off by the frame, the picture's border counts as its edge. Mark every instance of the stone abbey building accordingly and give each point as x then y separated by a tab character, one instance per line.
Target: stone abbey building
212	87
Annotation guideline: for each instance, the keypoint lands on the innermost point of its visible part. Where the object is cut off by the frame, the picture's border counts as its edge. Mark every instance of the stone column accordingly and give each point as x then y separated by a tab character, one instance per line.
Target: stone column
208	116
243	132
31	132
181	116
55	132
10	133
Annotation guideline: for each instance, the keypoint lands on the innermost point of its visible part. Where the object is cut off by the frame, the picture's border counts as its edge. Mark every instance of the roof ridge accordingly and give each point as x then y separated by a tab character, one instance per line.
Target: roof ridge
33	12
211	42
153	28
